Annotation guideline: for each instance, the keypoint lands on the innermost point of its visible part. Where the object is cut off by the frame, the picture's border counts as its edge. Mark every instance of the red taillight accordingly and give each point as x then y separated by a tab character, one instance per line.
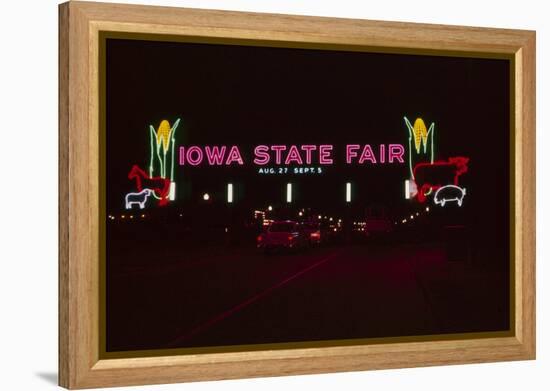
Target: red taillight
260	238
290	237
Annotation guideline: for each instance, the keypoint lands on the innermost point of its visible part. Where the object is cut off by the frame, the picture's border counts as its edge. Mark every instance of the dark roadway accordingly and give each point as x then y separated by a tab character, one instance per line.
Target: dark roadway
231	296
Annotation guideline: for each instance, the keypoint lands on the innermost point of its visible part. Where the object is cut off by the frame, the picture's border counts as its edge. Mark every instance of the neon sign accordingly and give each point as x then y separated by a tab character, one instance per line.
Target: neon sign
296	155
427	175
449	193
421	137
432	176
162	142
138	198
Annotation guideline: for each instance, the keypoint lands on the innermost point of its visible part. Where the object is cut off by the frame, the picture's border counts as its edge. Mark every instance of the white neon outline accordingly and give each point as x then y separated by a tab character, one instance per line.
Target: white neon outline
173	131
145	193
446	200
348	192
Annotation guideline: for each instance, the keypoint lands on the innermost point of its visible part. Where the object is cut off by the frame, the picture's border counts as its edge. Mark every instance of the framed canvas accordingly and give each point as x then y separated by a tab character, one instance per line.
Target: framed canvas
247	195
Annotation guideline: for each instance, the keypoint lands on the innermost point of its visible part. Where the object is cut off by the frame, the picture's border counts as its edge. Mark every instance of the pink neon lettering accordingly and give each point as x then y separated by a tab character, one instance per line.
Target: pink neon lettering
215	155
396	151
325	154
278	149
182	156
293	156
261	155
350	152
382	153
308	149
367	154
194	161
234	156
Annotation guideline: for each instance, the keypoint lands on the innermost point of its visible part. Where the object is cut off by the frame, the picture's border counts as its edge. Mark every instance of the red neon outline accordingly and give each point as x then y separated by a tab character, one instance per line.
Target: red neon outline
461	166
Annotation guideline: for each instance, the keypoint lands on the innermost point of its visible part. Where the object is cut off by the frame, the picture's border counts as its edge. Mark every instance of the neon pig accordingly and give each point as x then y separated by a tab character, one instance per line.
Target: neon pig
215	155
365	153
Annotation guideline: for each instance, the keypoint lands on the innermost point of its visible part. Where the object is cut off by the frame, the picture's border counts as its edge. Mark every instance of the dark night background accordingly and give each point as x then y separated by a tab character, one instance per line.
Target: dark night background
245	96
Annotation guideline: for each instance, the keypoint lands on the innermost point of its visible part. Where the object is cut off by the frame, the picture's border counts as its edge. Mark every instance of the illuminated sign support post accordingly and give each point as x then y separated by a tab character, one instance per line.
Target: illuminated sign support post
230	193
289	192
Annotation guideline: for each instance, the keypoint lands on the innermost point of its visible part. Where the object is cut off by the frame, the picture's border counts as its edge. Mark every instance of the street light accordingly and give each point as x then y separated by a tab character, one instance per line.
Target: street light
206	196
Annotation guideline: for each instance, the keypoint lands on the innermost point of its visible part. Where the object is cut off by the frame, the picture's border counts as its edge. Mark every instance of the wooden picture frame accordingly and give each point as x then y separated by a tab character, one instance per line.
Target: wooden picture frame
80	24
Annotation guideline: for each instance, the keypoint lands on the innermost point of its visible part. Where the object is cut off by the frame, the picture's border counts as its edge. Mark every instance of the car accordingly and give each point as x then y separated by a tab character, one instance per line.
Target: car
283	235
313	232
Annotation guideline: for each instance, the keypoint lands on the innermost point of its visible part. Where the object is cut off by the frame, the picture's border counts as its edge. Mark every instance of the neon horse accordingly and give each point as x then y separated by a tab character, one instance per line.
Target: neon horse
159	186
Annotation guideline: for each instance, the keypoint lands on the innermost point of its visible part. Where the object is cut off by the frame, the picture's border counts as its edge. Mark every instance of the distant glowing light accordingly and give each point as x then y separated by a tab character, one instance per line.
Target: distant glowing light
300	214
412	217
206	196
270	208
427	208
348	192
289	192
230	193
319	217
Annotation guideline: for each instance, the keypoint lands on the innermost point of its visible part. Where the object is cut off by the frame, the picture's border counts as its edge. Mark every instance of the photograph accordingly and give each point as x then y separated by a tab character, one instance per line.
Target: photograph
255	195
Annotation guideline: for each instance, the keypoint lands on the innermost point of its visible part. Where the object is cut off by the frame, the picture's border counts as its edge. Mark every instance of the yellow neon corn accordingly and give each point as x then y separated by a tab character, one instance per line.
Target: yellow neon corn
163	134
420	134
